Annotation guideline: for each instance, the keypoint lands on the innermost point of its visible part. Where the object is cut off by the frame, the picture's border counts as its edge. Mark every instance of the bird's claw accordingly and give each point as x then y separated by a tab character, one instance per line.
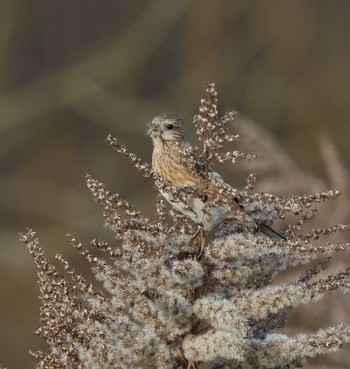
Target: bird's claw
199	235
188	364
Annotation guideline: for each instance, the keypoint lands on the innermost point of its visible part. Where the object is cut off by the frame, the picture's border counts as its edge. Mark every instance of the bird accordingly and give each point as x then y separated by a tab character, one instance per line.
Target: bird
168	134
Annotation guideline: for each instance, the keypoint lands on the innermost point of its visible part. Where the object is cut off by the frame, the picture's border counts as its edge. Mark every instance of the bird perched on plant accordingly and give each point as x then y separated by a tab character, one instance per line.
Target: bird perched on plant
169	137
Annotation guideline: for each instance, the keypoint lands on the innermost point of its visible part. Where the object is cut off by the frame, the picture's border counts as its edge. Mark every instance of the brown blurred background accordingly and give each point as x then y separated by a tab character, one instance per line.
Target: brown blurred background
73	71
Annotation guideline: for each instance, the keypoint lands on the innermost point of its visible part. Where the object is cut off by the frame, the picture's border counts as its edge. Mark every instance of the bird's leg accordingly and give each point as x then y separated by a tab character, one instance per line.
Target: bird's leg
191	365
186	364
199	235
180	358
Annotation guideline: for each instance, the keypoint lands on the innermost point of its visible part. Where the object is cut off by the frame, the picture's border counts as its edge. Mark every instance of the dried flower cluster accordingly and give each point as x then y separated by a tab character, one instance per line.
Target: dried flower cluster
164	304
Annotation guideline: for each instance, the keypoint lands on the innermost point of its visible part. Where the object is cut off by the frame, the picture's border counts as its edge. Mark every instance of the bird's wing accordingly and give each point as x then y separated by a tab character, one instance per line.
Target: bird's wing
212	191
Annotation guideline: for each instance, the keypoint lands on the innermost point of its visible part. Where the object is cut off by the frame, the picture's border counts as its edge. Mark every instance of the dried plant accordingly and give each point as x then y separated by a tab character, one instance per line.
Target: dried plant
164	304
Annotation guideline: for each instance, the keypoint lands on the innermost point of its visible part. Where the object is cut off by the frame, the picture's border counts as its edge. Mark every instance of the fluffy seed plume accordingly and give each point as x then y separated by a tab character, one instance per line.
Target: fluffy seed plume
168	301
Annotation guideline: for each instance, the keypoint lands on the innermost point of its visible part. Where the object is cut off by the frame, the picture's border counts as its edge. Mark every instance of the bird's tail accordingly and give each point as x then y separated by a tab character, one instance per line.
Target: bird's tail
269	232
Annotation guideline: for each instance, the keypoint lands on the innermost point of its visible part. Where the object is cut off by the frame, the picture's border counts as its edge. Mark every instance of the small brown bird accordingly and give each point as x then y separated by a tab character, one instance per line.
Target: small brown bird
168	134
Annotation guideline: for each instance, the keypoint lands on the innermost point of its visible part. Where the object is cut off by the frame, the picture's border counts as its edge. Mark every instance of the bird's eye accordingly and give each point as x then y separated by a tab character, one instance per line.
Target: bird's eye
170	126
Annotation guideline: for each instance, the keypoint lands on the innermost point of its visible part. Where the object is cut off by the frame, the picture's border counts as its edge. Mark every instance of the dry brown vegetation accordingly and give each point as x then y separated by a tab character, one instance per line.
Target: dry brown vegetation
71	72
165	304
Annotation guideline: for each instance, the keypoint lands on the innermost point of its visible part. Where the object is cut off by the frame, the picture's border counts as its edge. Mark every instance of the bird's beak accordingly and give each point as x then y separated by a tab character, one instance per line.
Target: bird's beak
151	129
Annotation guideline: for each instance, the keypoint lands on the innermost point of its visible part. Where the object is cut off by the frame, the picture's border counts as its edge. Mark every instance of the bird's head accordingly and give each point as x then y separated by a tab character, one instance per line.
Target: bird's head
166	128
